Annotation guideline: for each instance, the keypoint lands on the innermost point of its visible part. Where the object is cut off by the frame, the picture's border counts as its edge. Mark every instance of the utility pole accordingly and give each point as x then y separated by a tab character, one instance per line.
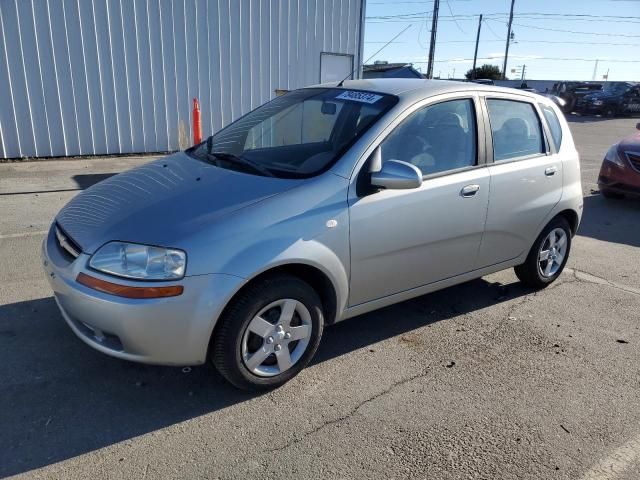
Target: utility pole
475	55
595	70
432	45
524	67
506	48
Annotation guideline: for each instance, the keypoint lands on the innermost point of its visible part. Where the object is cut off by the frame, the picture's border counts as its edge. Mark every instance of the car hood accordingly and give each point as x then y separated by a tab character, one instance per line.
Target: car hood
162	203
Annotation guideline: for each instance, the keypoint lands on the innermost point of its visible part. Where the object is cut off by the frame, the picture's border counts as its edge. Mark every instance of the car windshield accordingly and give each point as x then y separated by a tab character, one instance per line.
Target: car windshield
297	135
618	88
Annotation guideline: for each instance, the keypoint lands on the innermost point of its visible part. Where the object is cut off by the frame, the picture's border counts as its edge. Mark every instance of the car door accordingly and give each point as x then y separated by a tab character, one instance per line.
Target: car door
526	178
403	239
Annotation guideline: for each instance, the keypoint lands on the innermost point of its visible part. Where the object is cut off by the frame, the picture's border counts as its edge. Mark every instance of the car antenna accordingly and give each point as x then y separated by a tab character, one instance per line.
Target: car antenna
383	47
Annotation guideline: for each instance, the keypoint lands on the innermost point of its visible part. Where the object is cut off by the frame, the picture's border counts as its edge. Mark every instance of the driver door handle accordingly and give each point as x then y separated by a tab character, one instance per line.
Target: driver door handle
551	171
469	190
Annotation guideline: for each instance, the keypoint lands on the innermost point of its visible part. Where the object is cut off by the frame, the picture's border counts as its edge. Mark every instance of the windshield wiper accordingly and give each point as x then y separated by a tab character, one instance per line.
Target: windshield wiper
231	158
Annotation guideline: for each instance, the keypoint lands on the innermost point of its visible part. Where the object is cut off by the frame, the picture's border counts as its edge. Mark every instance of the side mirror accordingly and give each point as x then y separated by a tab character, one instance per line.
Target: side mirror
638	125
397	175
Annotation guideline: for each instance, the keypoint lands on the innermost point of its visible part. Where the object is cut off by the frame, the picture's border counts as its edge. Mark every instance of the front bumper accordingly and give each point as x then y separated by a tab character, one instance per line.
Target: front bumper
167	331
589	108
619	180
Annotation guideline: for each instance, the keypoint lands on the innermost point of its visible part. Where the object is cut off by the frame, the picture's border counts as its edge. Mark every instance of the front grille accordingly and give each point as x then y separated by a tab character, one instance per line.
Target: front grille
66	243
634	160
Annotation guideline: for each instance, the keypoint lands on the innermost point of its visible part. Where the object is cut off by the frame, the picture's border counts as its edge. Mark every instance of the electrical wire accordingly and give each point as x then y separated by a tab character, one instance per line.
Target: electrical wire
571	31
484	21
452	15
530	59
543	41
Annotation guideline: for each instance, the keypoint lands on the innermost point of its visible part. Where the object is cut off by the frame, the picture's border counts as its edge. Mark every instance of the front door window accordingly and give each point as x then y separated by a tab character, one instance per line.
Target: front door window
436	139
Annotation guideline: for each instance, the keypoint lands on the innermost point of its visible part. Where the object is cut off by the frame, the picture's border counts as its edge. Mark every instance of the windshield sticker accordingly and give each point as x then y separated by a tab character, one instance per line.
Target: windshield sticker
362	97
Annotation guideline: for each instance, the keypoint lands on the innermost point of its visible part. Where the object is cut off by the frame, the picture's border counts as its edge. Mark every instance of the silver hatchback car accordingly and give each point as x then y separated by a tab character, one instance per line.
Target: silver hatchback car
325	203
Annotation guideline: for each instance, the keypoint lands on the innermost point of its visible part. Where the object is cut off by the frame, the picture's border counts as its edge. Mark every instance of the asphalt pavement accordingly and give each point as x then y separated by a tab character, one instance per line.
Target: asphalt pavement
483	380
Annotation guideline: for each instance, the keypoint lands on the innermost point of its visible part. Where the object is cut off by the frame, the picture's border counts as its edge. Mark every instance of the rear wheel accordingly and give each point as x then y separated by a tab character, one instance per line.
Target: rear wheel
611	111
548	255
268	334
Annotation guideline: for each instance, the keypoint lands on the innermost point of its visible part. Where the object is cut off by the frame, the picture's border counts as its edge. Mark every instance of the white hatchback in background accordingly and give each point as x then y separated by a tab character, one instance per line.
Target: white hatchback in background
325	203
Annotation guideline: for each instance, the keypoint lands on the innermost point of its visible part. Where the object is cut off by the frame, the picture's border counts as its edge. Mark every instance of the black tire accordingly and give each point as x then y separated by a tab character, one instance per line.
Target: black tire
225	351
611	111
610	195
529	272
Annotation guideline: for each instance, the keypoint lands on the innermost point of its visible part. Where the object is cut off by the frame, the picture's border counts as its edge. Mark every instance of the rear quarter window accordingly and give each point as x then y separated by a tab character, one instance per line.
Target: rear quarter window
554	124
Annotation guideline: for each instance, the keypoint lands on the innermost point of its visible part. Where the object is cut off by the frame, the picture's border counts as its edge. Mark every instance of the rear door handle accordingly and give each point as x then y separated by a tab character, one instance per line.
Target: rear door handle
469	190
551	171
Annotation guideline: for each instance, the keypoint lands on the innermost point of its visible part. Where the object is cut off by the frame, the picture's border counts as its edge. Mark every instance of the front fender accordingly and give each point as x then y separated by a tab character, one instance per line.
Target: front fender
269	255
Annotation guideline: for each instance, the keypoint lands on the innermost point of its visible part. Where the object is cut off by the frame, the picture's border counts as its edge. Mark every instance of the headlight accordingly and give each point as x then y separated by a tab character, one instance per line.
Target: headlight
598	102
142	262
612	155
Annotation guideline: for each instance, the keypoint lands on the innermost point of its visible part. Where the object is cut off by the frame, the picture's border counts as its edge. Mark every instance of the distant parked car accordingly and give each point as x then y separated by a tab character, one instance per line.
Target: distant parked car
620	171
573	92
620	98
325	203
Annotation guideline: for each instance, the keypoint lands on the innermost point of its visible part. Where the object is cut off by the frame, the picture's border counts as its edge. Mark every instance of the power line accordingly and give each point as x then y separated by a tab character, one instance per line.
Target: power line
569	31
529	59
419	16
541	41
566	16
452	15
492	31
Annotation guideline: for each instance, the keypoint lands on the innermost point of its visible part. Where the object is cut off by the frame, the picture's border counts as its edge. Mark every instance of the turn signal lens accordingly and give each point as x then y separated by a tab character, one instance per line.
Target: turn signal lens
128	291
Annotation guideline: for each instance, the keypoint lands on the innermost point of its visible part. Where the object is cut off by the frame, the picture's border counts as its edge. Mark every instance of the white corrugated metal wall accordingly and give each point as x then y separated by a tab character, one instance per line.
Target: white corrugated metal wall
83	77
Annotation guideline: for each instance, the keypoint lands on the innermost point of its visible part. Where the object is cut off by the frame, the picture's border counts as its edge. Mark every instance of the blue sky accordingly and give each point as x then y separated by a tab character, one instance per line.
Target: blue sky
549	36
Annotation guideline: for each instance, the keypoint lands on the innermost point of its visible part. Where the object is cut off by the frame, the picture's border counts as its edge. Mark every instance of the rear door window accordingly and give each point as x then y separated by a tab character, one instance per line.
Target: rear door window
515	128
554	124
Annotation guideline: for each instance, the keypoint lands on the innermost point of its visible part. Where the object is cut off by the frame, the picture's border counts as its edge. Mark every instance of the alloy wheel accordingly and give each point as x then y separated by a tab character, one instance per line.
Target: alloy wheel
552	252
276	338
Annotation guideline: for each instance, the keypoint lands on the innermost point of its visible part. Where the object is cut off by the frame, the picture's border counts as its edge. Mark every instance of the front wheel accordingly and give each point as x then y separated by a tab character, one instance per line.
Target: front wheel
548	255
268	334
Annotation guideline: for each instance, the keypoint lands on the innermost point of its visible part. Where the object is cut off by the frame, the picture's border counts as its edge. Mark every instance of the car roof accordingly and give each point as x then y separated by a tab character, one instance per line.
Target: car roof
411	87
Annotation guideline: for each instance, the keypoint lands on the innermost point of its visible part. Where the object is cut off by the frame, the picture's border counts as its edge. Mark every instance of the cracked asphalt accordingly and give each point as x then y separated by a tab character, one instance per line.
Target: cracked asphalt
483	380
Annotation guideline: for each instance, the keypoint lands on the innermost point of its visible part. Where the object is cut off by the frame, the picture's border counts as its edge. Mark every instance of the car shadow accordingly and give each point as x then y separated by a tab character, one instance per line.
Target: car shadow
84	181
611	220
60	399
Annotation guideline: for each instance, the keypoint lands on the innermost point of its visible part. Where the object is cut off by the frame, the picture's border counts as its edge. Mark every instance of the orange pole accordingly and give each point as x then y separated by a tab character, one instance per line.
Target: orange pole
197	129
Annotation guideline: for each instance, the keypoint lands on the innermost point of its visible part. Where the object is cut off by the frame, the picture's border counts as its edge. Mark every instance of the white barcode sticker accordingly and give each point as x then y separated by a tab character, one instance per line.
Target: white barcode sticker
356	96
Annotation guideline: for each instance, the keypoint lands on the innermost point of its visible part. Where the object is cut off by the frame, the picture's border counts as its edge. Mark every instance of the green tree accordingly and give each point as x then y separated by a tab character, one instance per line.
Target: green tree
485	71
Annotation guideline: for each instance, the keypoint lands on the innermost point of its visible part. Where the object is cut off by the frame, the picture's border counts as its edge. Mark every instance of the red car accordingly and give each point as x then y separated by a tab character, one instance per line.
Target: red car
620	171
